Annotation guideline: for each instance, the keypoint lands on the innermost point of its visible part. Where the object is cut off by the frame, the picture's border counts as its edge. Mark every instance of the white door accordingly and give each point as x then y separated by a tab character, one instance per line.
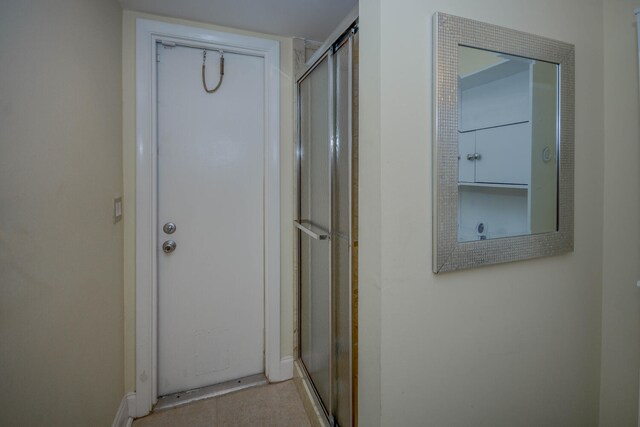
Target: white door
210	185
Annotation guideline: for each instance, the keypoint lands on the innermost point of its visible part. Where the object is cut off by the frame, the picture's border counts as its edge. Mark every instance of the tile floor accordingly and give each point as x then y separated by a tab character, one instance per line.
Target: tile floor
265	406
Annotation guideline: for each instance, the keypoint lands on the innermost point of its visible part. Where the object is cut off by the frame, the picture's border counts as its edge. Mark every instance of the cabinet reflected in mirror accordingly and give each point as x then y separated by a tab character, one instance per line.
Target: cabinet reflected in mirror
508	132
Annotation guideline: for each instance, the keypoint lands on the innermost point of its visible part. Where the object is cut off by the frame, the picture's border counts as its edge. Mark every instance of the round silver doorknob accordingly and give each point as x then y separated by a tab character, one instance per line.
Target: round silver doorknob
168	246
169	228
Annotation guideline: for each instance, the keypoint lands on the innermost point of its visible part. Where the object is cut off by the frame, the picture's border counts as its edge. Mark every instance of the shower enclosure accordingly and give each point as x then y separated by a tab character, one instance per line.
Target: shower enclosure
327	226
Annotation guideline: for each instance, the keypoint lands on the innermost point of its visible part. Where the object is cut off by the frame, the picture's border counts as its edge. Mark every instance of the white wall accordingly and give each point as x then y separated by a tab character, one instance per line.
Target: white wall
621	268
287	80
508	345
61	352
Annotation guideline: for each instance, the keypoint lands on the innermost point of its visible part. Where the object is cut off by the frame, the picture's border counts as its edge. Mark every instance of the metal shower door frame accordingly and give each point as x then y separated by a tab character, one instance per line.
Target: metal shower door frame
329	54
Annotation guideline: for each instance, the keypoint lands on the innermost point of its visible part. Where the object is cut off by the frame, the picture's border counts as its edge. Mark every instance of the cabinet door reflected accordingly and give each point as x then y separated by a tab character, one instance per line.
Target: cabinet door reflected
507	145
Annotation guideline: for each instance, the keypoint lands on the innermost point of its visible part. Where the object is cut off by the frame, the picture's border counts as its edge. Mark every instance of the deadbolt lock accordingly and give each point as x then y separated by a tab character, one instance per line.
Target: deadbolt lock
168	246
169	228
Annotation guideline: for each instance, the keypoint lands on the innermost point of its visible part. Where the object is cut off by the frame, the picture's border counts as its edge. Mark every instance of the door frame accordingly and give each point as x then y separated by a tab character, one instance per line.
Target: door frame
148	32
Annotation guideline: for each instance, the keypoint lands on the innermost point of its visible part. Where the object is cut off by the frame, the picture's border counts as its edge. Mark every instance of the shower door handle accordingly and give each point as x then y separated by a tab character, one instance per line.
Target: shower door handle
305	227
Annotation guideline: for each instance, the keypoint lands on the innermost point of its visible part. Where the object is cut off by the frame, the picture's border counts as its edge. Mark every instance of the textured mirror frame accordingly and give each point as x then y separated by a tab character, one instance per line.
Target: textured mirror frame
449	254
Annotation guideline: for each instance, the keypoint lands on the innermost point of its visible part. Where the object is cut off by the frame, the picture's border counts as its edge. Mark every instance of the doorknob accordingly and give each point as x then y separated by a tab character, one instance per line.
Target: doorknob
168	246
169	228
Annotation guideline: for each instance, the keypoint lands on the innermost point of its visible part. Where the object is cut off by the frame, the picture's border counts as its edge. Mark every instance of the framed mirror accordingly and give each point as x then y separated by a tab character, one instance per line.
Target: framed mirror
503	146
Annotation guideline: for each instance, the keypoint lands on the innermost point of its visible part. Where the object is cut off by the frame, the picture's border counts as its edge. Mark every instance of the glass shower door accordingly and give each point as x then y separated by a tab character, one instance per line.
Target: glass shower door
314	226
327	224
342	232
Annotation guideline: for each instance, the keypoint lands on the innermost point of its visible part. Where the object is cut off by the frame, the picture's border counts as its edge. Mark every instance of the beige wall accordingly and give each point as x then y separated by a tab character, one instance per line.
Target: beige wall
369	215
514	344
61	341
505	345
621	268
286	181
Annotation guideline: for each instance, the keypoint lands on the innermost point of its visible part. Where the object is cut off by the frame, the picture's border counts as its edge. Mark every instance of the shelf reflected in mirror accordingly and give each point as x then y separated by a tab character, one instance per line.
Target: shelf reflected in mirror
507	145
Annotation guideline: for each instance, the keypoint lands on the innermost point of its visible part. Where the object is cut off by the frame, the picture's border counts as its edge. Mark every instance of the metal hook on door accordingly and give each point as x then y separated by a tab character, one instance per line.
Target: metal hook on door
204	66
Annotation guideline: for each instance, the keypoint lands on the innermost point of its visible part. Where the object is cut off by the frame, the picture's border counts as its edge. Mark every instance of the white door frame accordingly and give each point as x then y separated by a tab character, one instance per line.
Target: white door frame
147	34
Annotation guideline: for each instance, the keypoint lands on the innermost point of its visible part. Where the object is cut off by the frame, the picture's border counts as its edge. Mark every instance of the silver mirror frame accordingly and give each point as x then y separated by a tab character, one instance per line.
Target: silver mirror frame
449	254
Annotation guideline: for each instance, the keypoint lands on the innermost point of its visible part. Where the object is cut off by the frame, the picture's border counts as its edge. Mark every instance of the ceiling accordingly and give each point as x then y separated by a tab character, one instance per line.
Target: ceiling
309	19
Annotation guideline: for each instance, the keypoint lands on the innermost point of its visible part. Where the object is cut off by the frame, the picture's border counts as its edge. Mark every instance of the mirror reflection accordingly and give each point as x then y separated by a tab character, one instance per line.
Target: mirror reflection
507	145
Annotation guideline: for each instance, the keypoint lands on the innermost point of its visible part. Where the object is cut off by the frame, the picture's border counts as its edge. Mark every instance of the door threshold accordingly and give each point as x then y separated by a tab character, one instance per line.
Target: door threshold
182	398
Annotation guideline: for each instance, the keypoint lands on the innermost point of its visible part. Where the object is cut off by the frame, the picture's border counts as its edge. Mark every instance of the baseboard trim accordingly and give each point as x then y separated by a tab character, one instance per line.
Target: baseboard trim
282	371
123	417
131	403
286	368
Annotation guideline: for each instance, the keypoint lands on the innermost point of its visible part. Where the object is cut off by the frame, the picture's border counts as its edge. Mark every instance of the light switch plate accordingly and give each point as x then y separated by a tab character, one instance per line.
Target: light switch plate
117	209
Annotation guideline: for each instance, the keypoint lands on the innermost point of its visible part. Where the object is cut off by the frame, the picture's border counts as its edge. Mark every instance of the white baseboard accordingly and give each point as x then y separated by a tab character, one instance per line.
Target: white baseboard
131	403
281	371
286	368
123	417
